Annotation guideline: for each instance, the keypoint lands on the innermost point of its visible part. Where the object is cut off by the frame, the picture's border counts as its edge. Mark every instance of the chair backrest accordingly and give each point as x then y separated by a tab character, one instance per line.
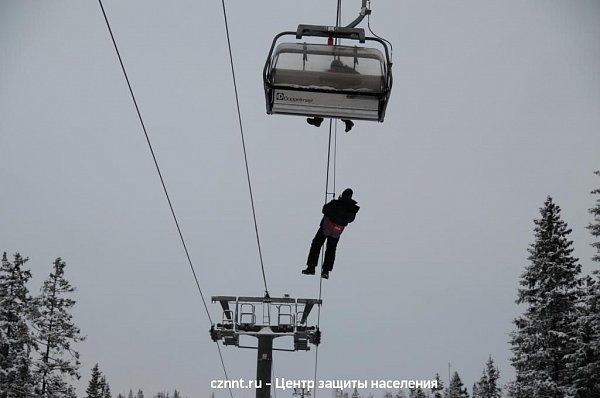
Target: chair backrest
319	66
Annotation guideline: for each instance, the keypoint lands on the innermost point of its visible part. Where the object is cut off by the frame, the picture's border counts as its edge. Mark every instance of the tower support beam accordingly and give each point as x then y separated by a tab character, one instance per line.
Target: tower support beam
264	362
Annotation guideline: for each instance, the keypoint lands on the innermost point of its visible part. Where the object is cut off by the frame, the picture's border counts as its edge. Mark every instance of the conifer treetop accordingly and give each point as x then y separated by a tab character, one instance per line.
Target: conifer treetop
545	337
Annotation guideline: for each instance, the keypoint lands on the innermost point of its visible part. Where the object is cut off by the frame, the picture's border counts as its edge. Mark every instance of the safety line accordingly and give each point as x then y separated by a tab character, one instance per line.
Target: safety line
329	162
239	113
162	181
334	153
337	23
322	254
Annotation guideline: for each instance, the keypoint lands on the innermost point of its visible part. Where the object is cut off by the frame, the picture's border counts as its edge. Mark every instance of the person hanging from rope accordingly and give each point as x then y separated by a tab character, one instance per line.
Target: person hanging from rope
337	214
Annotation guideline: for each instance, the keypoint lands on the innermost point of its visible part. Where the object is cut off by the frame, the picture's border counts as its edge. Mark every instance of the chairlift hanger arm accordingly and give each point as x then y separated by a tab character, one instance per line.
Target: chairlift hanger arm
364	11
348	32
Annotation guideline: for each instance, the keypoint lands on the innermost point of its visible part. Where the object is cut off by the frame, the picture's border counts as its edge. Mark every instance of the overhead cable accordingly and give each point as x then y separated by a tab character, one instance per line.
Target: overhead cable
162	181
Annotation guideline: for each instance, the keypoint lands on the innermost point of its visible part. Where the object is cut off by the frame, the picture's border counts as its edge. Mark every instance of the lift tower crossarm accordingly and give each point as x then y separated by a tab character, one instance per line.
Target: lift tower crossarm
281	317
267	299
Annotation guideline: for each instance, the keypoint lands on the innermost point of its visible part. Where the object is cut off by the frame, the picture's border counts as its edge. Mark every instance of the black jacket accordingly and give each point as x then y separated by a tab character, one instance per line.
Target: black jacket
341	211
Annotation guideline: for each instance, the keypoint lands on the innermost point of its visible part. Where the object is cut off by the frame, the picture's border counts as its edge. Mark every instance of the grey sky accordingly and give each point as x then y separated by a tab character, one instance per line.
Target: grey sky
495	106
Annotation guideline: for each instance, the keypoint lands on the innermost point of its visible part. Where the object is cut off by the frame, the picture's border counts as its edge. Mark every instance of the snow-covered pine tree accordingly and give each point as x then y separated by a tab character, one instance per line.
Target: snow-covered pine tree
120	395
594	296
545	334
176	394
475	392
436	392
416	393
456	388
586	360
94	389
57	387
594	226
16	339
487	386
56	335
130	395
493	389
104	388
140	394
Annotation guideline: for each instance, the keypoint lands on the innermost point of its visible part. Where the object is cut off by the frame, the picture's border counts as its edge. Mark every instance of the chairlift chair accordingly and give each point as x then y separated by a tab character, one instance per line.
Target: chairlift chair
328	80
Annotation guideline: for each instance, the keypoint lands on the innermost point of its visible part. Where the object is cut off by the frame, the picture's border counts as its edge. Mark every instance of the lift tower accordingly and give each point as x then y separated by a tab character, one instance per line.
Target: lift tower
266	318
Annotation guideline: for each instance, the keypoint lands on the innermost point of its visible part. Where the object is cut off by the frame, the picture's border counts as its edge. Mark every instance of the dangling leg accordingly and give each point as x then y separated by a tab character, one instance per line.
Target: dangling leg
313	254
349	124
314	121
329	256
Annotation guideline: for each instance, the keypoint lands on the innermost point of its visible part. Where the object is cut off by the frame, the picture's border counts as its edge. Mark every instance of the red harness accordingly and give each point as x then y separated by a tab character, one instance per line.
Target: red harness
331	229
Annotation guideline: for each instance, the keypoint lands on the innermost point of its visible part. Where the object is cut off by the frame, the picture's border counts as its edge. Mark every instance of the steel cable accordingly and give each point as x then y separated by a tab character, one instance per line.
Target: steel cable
239	113
162	181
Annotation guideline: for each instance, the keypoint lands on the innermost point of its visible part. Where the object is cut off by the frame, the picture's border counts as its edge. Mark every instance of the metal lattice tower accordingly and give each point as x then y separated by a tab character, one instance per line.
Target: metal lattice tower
266	318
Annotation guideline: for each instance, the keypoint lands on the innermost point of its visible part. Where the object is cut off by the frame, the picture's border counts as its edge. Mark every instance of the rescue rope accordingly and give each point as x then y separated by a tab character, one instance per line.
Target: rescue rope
162	181
334	153
331	124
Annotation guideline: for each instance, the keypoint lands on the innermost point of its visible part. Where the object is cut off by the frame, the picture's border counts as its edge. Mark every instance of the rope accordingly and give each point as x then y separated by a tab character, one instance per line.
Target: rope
334	153
162	181
331	124
237	103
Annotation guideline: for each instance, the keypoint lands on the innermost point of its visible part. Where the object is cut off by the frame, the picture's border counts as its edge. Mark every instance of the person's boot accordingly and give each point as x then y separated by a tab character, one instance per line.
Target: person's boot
308	271
349	124
325	274
315	121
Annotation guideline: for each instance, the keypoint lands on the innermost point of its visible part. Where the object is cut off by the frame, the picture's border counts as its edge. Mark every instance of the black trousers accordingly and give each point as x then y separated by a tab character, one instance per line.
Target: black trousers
315	248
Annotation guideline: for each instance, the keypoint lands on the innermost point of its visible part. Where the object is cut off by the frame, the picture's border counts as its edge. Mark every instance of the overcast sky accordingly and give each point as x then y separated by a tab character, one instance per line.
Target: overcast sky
495	106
